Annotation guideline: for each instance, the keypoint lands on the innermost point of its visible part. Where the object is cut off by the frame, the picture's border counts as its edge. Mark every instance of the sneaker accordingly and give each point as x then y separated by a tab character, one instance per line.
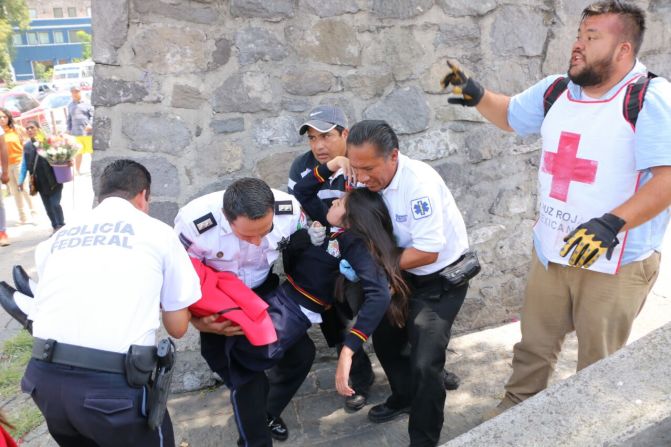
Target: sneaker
278	429
4	240
504	405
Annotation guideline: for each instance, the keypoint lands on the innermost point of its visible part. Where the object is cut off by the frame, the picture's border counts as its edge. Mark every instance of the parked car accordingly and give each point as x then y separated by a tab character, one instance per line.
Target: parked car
17	102
36	89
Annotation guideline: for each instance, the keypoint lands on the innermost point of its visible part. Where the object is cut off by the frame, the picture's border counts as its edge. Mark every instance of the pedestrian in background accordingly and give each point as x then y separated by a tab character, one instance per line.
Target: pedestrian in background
15	155
80	121
45	182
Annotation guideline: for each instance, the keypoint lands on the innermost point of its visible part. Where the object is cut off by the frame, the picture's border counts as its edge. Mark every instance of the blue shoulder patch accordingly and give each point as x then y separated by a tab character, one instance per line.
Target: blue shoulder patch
421	208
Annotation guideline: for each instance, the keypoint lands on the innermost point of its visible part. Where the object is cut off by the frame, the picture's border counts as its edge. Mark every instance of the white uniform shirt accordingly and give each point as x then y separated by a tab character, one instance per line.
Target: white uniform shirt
102	279
424	214
207	236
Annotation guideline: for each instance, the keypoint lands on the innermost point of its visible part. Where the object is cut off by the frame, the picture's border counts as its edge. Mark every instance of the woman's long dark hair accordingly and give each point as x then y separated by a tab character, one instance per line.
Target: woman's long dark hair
10	117
366	215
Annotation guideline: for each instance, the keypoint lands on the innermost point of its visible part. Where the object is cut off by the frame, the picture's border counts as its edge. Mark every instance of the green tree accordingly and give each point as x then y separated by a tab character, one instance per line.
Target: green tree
12	13
85	39
42	73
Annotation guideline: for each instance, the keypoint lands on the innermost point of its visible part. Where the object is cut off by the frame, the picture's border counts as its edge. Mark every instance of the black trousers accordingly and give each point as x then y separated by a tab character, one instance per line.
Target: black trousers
269	394
52	205
86	408
417	351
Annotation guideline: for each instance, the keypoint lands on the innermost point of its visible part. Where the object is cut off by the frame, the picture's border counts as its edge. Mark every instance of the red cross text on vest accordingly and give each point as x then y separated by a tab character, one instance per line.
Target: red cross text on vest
565	167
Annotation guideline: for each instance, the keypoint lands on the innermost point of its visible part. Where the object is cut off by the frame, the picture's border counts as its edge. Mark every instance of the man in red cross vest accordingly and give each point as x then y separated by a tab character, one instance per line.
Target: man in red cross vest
604	191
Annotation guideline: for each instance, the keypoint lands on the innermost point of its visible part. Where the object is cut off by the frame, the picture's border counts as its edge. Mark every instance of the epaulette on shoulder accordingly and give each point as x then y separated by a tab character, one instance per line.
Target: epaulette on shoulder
284	207
205	223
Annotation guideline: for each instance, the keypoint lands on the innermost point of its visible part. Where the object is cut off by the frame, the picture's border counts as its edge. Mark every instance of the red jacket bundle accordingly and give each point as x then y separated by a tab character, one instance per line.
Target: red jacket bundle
224	293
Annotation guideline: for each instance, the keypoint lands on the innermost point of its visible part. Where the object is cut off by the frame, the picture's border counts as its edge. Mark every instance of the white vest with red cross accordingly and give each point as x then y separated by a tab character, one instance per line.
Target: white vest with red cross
587	169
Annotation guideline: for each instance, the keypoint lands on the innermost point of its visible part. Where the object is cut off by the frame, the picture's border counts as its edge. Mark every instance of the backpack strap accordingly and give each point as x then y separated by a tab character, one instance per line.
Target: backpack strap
633	99
553	92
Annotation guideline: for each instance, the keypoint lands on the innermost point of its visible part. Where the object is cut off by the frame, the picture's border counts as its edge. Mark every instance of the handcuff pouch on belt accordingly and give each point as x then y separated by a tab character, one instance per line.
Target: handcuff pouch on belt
460	272
140	362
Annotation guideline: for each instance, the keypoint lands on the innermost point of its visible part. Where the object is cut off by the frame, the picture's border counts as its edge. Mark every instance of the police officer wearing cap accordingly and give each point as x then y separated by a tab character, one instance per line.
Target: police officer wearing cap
431	231
243	234
103	283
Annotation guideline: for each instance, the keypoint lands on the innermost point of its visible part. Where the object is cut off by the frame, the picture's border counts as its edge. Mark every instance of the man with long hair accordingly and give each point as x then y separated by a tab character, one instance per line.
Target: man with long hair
604	188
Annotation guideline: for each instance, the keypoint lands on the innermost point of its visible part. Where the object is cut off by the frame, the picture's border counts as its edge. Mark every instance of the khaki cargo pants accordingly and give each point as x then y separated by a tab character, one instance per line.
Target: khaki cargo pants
599	307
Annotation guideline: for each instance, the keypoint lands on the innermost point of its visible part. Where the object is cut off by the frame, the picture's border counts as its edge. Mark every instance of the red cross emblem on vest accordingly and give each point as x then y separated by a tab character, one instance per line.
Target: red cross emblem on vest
565	167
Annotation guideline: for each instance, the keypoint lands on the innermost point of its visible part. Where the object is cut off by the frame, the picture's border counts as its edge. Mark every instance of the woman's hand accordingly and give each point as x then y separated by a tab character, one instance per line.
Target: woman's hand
341	162
342	372
209	324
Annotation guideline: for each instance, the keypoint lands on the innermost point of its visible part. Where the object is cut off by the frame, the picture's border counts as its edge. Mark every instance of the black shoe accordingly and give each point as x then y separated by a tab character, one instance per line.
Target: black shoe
22	281
450	380
356	401
382	413
278	429
7	302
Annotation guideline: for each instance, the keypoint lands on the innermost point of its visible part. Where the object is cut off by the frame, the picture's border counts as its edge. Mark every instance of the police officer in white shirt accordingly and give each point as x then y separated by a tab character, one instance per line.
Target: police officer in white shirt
103	283
243	234
430	229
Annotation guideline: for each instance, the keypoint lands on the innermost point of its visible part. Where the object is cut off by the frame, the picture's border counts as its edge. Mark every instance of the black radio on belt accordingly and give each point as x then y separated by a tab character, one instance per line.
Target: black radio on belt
460	272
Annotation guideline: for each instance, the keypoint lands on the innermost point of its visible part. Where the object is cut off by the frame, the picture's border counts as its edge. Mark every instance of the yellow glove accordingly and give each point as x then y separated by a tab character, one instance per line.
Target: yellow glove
592	239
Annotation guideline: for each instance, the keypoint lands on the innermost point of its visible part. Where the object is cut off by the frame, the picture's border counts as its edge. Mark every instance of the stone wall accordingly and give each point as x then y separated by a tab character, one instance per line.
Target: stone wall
206	91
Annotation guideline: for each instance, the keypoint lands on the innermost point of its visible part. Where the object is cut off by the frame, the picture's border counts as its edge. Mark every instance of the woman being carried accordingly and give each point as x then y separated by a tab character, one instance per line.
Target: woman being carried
361	233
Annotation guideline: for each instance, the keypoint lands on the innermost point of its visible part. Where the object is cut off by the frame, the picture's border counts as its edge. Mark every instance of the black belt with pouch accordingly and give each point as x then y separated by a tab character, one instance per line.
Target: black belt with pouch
137	365
460	272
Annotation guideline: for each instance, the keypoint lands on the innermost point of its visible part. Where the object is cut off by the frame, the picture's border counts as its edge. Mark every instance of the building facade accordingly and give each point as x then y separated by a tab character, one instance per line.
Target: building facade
58	9
49	42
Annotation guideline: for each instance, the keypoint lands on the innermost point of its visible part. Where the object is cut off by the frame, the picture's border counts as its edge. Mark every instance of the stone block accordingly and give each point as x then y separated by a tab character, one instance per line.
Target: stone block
228	125
186	97
102	132
459	36
281	130
394	47
274	169
368	84
453	112
258	44
302	82
170	49
164	175
156	132
221	53
514	203
405	109
330	9
110	92
272	10
220	156
189	12
518	31
250	91
400	9
163	211
461	8
295	104
110	21
331	41
430	145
